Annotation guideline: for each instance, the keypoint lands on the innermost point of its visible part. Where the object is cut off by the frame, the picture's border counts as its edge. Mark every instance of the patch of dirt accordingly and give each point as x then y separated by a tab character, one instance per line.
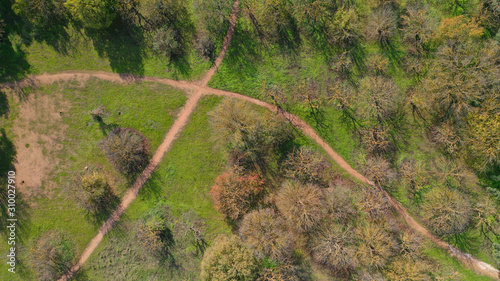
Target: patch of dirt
39	129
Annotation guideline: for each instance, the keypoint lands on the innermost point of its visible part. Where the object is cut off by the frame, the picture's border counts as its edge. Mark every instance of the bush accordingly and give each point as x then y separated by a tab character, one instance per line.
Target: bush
303	206
155	236
339	200
379	170
228	259
333	247
446	211
126	149
379	99
307	165
52	255
265	231
93	193
406	270
235	194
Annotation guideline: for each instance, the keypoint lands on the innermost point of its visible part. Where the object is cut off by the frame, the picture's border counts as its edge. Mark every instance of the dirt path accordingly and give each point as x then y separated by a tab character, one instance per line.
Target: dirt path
199	89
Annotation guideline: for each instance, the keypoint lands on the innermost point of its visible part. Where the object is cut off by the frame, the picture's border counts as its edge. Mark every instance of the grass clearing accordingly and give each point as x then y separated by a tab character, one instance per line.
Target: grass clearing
126	107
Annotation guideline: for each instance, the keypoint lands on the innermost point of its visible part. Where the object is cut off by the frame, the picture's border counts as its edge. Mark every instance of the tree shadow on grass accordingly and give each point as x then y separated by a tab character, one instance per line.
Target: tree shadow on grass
242	54
14	65
124	47
4	105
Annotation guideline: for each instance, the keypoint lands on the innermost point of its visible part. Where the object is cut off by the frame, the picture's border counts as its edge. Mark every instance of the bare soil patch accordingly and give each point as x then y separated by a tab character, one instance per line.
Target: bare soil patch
39	130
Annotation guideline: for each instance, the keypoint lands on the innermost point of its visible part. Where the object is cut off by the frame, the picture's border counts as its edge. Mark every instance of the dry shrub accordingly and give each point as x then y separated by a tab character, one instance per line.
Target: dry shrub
155	236
307	165
52	255
93	193
446	211
303	206
234	194
379	170
228	259
333	246
266	232
126	149
375	245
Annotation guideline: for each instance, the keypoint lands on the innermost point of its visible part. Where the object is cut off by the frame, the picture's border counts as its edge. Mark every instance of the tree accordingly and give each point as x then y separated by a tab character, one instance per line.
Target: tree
446	211
339	199
463	77
166	43
379	170
93	193
417	28
375	245
41	13
95	14
234	194
307	165
483	134
213	17
333	246
252	138
155	235
126	149
414	176
52	255
381	25
376	140
405	269
379	99
266	232
228	259
303	206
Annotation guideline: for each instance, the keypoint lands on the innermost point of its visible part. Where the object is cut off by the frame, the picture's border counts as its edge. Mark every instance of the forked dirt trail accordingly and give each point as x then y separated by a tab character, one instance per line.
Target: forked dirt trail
198	89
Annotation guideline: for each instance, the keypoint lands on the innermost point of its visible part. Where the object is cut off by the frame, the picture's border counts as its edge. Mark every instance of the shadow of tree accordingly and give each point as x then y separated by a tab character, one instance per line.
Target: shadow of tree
4	105
123	46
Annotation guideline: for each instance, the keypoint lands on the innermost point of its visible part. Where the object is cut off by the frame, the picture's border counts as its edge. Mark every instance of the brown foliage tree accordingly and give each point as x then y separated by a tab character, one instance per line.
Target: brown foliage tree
446	211
266	232
235	194
379	99
307	165
381	25
339	199
303	206
375	245
417	28
379	170
228	259
333	246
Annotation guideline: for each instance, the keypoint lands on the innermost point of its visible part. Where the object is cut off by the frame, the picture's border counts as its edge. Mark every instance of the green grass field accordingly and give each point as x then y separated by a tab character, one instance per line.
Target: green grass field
126	107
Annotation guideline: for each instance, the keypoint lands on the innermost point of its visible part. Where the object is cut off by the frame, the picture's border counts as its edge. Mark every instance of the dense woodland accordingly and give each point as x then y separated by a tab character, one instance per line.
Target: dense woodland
416	84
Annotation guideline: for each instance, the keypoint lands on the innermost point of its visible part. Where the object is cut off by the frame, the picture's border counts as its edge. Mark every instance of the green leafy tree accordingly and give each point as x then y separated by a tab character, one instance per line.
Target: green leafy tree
95	14
52	255
303	206
126	149
41	13
228	259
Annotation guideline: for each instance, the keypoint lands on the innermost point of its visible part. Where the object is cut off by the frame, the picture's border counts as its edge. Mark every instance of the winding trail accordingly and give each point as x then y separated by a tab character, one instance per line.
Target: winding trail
197	90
